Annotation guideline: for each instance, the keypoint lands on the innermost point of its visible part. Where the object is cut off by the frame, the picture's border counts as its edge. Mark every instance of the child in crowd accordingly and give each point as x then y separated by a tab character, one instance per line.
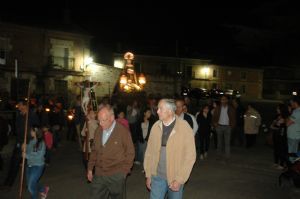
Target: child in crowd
35	152
122	120
48	139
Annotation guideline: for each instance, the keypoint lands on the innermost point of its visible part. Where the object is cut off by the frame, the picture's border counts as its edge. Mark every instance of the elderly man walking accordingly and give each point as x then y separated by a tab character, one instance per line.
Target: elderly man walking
170	153
112	157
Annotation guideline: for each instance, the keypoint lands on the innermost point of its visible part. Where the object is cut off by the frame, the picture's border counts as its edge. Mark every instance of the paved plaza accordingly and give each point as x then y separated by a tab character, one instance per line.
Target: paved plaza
248	175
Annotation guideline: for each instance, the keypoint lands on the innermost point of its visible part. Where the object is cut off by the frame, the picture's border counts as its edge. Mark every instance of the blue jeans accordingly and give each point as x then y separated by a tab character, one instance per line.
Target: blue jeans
33	174
141	151
293	145
224	133
159	188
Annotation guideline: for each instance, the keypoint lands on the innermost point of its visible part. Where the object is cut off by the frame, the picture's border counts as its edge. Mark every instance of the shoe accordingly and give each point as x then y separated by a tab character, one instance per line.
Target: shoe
205	154
279	167
137	162
45	193
201	157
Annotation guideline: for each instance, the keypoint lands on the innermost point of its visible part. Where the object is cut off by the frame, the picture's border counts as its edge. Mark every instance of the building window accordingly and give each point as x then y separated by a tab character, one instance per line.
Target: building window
19	88
4	48
243	89
215	73
189	72
243	75
137	67
62	56
2	57
163	69
193	74
61	88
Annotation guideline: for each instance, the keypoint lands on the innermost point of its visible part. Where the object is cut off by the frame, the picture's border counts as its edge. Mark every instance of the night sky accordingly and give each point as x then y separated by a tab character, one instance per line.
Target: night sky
241	33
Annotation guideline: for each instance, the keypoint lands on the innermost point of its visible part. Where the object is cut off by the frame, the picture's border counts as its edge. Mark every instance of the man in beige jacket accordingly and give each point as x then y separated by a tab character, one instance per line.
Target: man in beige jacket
170	153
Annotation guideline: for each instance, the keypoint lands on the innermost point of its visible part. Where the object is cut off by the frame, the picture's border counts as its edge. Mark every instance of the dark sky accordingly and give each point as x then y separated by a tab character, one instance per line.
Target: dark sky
250	32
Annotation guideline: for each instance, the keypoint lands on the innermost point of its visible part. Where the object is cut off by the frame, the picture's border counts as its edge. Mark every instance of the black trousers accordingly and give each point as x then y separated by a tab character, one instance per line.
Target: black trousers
204	141
215	137
105	187
250	140
237	134
280	148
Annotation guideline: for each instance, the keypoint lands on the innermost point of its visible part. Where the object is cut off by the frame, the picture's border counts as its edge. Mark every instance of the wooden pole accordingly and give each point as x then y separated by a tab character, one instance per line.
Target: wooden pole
87	135
24	144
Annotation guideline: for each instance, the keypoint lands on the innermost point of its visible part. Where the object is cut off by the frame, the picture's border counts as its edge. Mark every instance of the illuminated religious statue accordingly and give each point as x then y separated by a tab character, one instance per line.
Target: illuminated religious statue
87	87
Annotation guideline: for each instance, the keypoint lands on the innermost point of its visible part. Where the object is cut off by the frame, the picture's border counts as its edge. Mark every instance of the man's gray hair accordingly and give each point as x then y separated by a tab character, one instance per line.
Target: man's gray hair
170	104
109	108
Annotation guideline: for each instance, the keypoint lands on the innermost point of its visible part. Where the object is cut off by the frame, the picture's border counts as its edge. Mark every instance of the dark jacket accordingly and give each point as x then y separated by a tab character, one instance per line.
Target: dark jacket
240	111
204	123
33	120
140	131
189	119
231	116
3	132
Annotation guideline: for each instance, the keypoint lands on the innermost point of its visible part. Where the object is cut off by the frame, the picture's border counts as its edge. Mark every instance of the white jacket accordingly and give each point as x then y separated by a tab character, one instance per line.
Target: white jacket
252	121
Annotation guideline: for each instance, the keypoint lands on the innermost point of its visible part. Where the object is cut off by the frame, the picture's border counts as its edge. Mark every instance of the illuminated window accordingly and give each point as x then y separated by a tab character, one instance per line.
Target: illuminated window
215	73
62	55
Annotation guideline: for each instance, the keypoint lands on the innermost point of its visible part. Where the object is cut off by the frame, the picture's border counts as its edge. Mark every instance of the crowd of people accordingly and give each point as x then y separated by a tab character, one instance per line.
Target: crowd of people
164	136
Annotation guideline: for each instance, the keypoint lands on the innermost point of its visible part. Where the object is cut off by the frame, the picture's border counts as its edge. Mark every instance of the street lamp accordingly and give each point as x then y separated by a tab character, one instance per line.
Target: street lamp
88	60
128	81
206	71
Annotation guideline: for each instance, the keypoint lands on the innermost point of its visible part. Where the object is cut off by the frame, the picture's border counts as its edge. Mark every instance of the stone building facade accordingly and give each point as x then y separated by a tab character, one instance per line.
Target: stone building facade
166	75
51	60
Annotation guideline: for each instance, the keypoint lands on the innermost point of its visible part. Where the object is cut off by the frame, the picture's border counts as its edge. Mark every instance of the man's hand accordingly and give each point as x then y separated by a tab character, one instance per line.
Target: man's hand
175	186
90	176
148	183
23	147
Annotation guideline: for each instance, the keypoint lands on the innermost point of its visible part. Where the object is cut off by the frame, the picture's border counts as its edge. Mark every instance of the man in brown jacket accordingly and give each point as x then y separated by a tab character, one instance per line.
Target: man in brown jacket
112	157
170	153
224	121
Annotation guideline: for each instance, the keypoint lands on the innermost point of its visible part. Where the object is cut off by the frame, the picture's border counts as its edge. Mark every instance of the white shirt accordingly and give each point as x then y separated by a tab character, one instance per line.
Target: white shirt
195	124
106	133
145	126
224	119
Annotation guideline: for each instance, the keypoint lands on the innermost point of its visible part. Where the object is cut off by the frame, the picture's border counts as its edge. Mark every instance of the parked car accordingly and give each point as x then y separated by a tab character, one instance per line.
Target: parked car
199	93
232	93
216	93
185	91
196	93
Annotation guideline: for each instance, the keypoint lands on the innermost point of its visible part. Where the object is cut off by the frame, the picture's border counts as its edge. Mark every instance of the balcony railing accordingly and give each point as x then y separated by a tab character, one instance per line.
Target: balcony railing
64	63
